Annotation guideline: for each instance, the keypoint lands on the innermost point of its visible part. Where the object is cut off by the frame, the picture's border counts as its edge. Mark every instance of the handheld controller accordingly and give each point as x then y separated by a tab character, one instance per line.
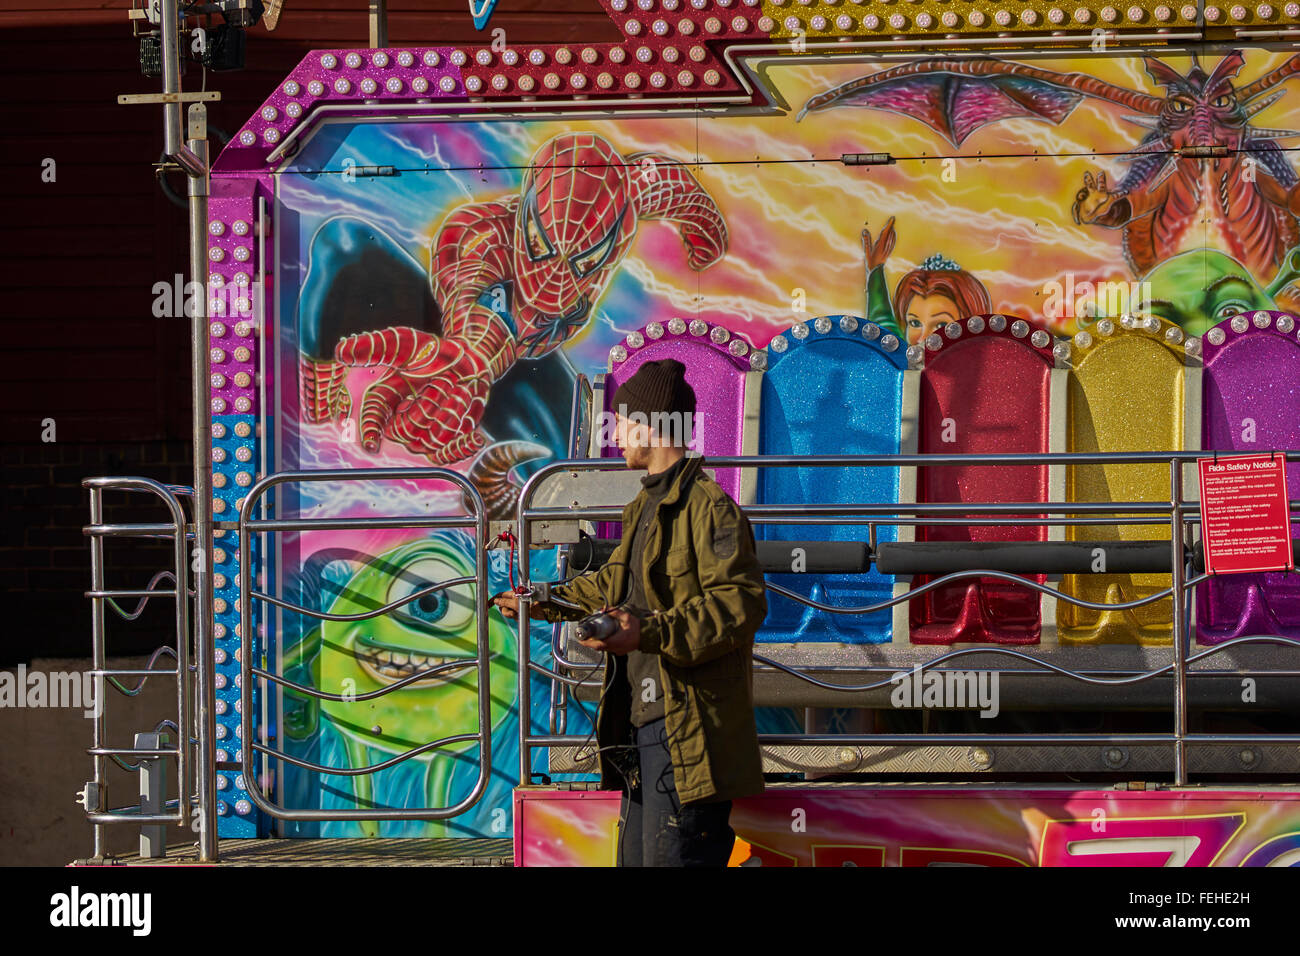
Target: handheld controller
597	627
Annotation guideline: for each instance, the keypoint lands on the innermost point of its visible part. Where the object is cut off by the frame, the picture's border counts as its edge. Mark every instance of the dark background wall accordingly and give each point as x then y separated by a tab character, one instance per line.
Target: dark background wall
80	259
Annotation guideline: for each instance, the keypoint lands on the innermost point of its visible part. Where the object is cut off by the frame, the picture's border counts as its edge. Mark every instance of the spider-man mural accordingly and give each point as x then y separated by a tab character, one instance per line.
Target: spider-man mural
509	278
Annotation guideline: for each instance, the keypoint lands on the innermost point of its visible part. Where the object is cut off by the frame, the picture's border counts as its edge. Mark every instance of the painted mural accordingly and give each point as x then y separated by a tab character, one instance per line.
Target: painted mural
441	285
932	827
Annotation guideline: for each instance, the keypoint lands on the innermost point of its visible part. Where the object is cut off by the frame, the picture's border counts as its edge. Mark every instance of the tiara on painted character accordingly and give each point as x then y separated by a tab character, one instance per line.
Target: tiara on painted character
939	263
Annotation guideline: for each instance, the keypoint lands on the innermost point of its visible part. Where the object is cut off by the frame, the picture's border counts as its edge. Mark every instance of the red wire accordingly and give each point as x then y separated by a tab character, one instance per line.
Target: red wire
509	536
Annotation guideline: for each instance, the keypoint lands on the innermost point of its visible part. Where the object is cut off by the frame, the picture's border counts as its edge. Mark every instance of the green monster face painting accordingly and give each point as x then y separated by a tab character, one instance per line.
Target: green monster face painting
356	658
1201	288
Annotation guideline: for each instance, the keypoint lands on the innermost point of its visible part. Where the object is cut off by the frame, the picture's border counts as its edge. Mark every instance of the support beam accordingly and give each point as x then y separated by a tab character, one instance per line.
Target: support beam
378	24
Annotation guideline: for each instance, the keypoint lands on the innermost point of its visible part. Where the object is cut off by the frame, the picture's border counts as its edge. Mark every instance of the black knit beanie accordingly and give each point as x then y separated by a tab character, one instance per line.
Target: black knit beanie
658	386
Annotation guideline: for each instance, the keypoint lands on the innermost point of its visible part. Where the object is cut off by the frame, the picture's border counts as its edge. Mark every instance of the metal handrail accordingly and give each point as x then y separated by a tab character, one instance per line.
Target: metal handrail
923	589
1171	511
477	518
557	715
96	531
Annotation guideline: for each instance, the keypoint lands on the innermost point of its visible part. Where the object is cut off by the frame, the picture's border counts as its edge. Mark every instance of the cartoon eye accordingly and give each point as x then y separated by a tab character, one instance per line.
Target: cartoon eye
585	263
429	607
914	323
450	608
1225	101
1230	308
535	241
1180	106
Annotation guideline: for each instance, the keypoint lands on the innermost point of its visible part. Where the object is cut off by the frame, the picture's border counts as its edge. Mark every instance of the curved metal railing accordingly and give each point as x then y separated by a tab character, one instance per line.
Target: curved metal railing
101	598
1177	512
250	749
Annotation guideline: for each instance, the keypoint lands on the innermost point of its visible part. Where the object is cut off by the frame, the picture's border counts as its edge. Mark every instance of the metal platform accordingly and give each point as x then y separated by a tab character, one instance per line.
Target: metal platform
1152	760
452	851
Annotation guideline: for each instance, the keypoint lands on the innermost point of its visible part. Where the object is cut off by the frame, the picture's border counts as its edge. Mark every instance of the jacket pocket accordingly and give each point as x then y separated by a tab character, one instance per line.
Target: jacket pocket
679	561
674	577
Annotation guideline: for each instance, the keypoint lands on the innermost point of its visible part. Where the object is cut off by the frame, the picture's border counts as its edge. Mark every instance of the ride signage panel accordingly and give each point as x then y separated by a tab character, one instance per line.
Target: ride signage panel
1245	514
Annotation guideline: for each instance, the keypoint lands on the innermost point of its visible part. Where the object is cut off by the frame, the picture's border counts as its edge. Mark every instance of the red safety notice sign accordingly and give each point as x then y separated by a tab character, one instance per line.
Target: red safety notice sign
1245	514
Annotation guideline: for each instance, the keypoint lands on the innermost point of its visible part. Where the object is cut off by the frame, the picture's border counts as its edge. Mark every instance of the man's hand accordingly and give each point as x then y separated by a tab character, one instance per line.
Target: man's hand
626	638
508	603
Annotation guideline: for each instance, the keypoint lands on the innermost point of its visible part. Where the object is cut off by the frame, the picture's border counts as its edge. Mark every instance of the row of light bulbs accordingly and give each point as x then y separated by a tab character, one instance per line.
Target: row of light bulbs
735	345
1018	328
1284	323
1056	16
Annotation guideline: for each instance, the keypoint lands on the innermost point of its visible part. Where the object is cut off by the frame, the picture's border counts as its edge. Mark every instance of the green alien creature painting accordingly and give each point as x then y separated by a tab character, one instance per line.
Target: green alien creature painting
355	658
1200	288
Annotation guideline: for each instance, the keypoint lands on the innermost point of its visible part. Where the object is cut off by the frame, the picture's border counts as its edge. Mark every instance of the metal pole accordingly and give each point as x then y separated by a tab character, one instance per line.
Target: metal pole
378	24
481	606
202	436
153	796
172	144
524	675
1180	650
184	682
97	732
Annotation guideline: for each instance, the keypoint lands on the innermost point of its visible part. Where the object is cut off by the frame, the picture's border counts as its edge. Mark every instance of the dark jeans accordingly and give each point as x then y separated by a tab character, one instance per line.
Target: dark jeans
656	829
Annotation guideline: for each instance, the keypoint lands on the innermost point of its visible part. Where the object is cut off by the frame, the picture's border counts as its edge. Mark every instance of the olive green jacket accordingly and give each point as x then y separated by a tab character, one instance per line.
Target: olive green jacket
707	599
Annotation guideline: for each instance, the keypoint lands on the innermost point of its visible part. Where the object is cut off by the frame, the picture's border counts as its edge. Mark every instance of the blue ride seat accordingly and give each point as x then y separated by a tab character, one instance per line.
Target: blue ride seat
833	386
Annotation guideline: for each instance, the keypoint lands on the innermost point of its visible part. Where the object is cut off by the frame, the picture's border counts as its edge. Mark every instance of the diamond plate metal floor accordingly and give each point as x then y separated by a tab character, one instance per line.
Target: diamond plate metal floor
341	852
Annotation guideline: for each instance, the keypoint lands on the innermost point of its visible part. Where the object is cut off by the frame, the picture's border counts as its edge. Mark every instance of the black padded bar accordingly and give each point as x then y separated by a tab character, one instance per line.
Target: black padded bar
819	557
776	557
1022	557
943	557
1198	556
590	553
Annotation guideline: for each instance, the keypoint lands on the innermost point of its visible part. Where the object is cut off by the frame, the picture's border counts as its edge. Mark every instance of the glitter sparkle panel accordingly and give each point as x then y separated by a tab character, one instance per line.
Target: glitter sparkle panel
716	360
1125	394
982	393
235	442
832	392
1252	404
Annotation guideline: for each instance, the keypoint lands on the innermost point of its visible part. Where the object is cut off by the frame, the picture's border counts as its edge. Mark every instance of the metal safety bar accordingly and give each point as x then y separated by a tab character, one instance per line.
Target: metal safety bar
557	714
100	596
477	518
1176	512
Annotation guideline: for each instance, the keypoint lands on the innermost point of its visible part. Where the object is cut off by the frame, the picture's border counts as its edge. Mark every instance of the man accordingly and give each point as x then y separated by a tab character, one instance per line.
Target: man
687	591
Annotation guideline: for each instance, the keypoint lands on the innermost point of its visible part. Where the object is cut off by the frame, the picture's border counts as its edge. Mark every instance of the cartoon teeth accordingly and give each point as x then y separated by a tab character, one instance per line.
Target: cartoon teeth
395	665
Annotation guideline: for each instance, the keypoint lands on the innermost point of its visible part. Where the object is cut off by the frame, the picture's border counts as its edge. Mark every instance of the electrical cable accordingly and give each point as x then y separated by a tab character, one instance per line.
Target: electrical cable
509	537
591	551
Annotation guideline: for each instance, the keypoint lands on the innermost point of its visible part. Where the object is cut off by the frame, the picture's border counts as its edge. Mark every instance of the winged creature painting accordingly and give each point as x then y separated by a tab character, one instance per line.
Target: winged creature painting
1200	161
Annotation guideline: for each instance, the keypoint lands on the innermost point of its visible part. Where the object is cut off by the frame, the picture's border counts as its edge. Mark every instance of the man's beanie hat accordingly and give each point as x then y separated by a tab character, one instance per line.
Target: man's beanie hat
656	387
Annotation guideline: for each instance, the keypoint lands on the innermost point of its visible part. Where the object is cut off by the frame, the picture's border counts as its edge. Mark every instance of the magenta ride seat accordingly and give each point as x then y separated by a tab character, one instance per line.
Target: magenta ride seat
717	364
1251	403
986	389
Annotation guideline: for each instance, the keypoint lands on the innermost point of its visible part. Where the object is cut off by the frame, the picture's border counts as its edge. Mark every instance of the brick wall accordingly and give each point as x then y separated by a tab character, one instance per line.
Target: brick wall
80	259
45	559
